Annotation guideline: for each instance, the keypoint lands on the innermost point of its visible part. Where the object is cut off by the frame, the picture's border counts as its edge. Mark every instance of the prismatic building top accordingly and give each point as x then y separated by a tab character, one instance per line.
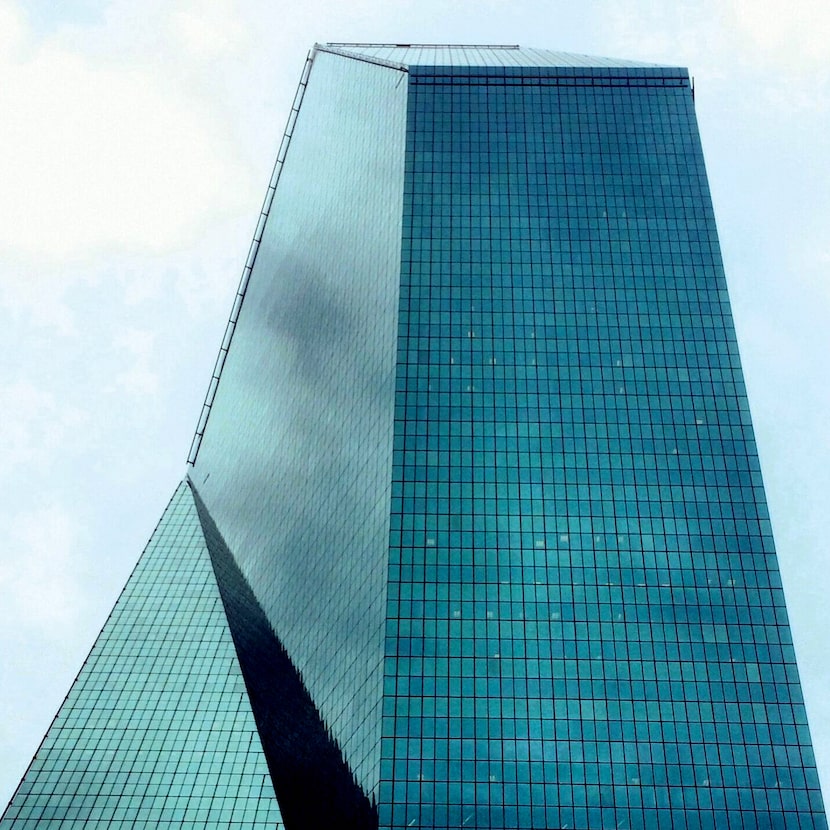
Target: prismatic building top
417	54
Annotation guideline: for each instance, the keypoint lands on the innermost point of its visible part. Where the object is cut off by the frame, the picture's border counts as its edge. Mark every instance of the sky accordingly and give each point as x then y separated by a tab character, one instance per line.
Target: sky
137	139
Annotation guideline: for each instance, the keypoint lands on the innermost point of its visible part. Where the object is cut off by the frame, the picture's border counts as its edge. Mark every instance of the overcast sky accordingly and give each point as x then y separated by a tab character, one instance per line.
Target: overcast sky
136	143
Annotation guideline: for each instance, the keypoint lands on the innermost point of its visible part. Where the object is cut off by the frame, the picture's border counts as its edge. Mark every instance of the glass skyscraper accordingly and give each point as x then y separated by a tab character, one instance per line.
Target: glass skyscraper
473	533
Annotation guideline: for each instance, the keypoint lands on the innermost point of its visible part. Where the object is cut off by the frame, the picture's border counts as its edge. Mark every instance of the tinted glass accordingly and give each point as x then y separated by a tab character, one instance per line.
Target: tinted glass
586	626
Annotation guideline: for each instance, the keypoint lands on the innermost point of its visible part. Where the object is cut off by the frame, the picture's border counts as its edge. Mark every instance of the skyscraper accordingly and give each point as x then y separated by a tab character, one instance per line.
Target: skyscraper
473	532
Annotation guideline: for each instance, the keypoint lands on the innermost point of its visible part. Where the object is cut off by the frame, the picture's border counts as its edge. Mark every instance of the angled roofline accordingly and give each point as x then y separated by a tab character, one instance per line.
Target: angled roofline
404	56
425	45
334	49
242	288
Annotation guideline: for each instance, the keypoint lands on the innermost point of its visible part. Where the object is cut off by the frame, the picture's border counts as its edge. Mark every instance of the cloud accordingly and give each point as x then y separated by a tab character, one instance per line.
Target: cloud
34	426
787	37
784	41
208	30
97	155
139	379
12	30
38	572
42	298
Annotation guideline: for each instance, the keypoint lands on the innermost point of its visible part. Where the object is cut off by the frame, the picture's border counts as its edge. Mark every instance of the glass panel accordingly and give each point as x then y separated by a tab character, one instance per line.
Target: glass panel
157	730
586	627
294	465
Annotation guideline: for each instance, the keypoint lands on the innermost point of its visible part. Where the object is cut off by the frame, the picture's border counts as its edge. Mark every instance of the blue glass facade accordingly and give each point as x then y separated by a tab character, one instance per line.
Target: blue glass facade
294	464
157	730
585	620
478	502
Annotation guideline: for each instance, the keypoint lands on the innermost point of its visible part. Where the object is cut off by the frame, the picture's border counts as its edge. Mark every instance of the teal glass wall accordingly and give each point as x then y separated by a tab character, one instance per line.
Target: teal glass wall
157	730
295	462
586	627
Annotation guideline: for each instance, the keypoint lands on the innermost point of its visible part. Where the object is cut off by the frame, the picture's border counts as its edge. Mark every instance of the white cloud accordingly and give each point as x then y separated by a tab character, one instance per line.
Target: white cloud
788	37
12	30
35	425
784	41
208	30
38	571
140	379
137	342
97	155
41	297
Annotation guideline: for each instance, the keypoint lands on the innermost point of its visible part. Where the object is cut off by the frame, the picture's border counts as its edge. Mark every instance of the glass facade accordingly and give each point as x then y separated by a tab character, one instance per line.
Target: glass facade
476	535
586	626
294	464
157	730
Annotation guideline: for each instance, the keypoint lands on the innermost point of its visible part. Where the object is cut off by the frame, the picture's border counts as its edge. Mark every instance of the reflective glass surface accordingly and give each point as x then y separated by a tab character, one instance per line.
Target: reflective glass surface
295	463
481	56
586	627
157	730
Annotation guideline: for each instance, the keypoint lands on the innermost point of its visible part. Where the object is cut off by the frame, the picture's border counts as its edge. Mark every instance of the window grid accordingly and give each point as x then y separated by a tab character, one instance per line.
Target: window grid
157	730
585	619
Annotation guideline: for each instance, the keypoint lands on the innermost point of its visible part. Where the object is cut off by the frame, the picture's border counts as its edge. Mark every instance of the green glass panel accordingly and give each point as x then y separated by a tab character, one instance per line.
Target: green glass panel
294	464
157	730
585	625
